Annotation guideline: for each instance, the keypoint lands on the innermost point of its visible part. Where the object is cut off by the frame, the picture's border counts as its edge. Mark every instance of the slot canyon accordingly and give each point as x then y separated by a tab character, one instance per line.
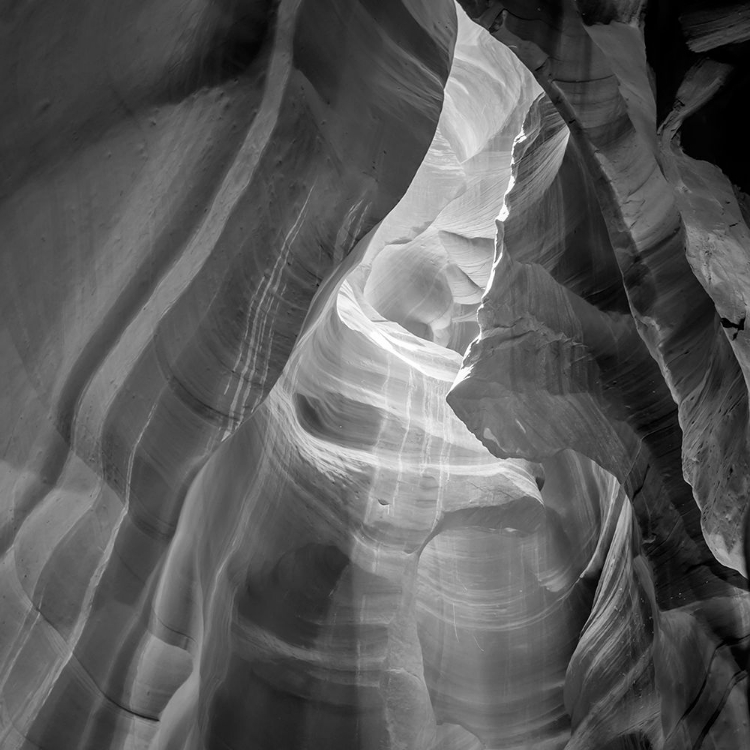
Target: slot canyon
374	375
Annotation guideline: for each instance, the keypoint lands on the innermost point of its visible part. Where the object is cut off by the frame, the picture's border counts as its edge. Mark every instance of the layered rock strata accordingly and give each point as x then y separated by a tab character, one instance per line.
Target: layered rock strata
431	260
609	328
178	181
595	73
560	365
238	509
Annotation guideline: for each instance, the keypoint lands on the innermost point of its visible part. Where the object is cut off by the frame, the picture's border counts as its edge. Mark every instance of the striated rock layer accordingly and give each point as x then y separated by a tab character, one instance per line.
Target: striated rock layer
608	328
559	365
242	504
174	193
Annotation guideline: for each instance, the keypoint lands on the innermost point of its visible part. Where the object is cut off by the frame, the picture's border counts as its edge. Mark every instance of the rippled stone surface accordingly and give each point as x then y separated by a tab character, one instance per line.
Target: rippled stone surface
559	365
242	504
609	327
178	181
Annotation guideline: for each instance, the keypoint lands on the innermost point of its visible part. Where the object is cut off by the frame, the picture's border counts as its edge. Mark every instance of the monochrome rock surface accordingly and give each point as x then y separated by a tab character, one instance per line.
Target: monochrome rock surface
372	382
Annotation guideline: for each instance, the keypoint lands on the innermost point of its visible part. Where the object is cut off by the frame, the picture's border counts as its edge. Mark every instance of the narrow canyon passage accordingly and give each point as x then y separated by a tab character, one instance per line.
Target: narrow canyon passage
374	376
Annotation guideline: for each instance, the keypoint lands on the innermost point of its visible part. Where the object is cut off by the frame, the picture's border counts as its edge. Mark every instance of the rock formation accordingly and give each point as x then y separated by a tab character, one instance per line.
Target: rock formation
372	382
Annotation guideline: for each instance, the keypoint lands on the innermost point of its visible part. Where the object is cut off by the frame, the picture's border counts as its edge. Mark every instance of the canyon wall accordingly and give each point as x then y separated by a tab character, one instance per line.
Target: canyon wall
372	382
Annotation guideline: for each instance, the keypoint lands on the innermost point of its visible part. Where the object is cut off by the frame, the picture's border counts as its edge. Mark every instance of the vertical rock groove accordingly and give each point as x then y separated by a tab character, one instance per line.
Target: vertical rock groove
374	375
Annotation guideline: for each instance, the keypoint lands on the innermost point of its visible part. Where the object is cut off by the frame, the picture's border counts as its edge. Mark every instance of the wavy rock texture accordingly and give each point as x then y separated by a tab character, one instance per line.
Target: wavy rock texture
178	181
242	505
438	242
595	72
614	326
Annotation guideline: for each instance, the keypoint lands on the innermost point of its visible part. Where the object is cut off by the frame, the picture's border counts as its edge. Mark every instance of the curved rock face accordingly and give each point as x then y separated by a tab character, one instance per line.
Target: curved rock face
559	365
438	242
663	231
608	328
242	504
174	194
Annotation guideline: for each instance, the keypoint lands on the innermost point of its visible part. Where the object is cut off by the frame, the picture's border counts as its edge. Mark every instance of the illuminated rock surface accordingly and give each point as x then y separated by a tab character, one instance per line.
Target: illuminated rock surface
242	505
